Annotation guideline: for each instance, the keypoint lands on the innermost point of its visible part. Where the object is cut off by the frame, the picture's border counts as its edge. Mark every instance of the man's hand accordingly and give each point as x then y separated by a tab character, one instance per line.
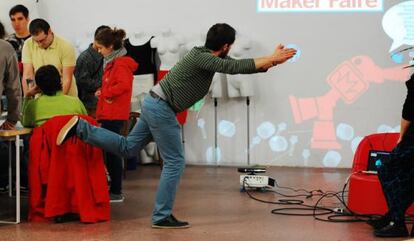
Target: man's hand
32	91
281	54
8	125
278	49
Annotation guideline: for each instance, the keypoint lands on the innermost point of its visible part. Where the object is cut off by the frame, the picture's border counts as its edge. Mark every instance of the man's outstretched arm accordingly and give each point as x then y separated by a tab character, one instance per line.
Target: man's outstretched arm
214	63
279	56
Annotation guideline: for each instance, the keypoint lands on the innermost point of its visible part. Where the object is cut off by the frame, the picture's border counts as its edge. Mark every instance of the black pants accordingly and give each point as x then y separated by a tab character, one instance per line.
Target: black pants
114	163
397	177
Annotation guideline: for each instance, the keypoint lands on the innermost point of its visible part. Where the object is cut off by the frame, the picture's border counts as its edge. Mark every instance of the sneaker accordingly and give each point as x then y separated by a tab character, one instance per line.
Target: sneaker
393	229
170	222
379	223
116	198
67	130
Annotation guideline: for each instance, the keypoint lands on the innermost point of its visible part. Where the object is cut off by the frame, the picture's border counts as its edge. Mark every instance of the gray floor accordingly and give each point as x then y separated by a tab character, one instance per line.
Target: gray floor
210	199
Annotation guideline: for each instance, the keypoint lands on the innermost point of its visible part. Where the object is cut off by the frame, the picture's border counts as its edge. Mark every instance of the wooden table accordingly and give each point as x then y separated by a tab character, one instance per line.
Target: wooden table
14	135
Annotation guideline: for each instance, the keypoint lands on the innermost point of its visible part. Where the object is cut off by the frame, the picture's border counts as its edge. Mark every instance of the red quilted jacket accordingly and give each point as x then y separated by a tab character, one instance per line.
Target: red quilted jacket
115	100
66	179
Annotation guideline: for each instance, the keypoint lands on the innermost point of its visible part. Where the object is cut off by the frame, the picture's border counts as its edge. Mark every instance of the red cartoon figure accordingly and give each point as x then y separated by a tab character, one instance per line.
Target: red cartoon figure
348	82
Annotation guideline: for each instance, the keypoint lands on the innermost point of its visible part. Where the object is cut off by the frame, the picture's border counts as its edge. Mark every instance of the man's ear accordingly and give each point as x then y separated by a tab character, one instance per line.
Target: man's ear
225	47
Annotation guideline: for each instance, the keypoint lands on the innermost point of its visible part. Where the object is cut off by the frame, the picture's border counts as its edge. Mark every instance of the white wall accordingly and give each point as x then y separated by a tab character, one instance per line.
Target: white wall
327	41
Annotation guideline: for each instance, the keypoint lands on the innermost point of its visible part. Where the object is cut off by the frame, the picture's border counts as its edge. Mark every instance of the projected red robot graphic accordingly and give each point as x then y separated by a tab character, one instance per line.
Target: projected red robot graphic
348	82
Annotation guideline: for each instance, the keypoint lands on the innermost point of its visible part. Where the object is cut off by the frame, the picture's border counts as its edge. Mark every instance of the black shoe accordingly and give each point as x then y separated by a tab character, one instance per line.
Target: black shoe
171	222
379	223
68	130
393	229
68	217
116	198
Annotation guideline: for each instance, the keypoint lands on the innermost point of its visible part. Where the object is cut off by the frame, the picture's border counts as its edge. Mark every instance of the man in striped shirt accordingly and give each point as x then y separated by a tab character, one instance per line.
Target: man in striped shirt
186	83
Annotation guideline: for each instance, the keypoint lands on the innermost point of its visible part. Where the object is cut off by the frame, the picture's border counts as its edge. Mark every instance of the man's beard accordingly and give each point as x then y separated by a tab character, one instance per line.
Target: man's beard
224	54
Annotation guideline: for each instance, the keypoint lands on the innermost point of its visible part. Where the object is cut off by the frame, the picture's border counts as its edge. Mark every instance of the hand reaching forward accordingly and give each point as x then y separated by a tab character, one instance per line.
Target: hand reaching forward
281	54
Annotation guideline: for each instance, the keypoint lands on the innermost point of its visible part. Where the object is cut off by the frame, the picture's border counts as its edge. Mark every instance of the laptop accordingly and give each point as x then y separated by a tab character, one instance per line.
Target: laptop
375	160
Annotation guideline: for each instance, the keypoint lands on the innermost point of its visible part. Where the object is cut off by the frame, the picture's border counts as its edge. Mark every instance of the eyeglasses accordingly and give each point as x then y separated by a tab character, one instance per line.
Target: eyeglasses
42	40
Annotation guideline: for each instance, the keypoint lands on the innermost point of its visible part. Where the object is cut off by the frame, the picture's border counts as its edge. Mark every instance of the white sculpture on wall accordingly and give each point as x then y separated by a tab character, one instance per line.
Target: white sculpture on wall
169	47
139	38
240	85
144	82
231	86
219	87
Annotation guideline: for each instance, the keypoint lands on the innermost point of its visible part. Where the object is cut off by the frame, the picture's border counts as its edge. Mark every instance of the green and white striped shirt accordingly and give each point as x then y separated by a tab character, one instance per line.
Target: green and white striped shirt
190	79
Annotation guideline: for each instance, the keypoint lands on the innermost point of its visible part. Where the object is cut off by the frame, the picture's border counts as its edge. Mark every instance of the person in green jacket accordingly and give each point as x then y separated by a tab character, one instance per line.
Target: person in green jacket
51	102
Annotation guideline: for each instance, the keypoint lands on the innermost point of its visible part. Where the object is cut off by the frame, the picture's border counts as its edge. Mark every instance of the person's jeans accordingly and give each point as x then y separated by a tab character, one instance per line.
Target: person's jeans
114	162
157	121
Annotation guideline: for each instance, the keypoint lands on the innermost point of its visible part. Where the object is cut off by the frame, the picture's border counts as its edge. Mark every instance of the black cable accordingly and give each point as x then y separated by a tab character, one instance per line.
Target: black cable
280	211
311	210
310	193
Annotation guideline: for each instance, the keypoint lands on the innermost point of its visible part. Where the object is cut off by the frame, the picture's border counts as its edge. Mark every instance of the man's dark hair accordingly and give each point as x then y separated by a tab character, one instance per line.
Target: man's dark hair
47	79
39	25
2	31
19	9
219	35
100	28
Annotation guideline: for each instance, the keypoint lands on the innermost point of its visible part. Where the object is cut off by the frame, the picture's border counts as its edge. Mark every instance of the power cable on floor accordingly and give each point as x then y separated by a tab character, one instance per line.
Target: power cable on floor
338	215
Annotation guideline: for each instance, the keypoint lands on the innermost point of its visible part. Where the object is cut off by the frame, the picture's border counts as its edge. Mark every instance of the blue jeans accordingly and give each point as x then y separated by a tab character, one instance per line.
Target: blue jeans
157	121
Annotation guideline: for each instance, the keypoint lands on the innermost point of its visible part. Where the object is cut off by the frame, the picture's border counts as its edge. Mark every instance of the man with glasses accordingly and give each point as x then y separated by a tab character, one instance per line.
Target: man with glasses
44	48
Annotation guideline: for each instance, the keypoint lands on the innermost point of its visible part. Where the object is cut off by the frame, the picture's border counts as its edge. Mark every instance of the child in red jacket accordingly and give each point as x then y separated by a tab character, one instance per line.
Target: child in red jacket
114	97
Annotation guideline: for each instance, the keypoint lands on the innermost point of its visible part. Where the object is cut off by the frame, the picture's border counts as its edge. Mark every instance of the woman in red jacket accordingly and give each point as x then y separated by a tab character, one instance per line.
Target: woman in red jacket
114	97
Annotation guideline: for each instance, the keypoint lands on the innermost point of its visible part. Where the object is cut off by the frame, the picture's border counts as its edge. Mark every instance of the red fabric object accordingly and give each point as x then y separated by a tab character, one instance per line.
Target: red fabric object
20	65
365	194
66	179
181	116
115	100
365	191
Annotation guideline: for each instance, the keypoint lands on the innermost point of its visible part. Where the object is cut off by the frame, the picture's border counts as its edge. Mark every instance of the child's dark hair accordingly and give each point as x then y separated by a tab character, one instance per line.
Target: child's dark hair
48	80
